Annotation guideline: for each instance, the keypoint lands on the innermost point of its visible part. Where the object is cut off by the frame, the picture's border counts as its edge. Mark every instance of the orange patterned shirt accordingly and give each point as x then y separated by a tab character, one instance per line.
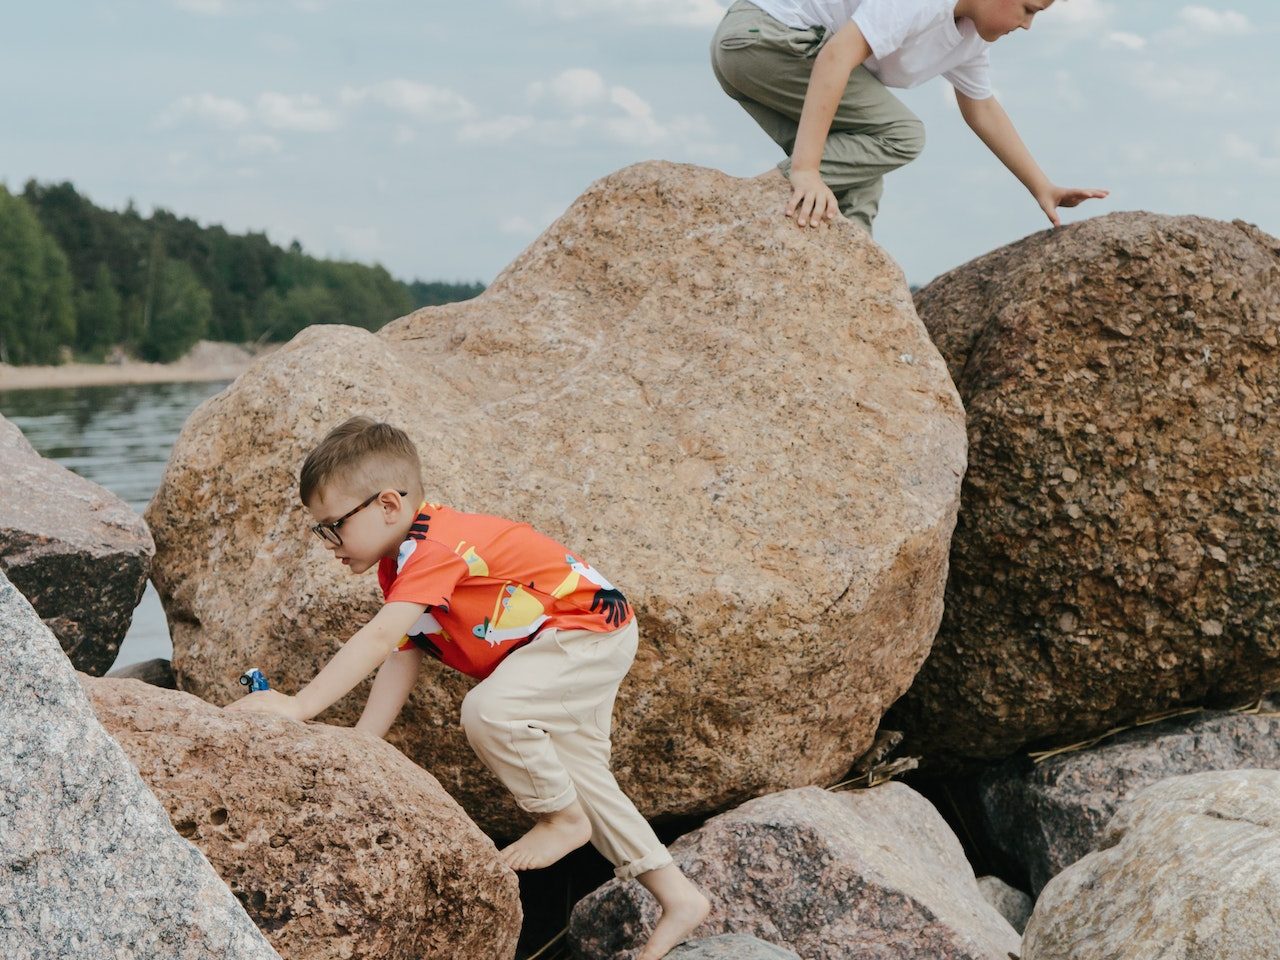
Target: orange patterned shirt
489	585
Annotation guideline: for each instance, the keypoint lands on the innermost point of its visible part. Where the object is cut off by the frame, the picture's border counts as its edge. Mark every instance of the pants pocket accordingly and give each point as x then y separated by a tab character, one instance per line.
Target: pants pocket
807	43
740	27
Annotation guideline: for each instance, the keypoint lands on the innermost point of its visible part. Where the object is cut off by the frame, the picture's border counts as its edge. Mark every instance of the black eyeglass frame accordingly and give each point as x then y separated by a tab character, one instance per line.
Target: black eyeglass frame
328	532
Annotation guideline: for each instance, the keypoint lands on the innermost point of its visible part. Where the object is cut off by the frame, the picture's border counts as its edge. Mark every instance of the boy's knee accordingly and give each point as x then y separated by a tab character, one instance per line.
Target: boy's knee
474	708
908	139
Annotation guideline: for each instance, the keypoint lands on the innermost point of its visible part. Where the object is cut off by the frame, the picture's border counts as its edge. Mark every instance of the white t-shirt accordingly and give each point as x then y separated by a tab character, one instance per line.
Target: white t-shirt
911	41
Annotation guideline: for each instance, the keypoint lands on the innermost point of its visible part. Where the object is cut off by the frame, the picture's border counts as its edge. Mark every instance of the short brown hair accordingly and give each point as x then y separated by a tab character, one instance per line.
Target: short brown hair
362	453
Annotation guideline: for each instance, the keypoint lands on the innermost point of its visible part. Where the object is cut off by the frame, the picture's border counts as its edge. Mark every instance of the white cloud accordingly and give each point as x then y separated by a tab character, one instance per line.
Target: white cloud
592	104
1148	159
497	130
220	111
303	111
1220	22
208	8
574	88
257	144
1246	151
1130	41
637	124
669	13
1187	86
418	100
1076	13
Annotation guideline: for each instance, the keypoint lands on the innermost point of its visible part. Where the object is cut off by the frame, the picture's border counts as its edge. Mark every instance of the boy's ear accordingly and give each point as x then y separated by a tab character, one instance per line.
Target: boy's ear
391	503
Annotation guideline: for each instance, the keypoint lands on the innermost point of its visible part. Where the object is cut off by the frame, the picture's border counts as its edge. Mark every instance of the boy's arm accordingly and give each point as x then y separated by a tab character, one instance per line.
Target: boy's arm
811	199
988	120
391	688
370	646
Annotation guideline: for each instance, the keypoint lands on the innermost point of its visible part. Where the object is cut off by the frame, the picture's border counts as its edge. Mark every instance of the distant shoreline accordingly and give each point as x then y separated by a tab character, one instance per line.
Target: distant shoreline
207	361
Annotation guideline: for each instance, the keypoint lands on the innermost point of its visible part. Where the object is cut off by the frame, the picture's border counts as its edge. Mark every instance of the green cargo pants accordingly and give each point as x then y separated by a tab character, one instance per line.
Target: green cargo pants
765	66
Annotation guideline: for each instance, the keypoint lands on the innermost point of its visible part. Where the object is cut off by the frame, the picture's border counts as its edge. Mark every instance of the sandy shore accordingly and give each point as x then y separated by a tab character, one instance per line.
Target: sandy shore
206	361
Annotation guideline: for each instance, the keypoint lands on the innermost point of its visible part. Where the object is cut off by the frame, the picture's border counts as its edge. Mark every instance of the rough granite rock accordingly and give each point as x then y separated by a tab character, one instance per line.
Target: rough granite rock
90	866
766	462
1118	547
1049	815
1012	904
1189	870
817	872
336	845
77	552
730	946
158	672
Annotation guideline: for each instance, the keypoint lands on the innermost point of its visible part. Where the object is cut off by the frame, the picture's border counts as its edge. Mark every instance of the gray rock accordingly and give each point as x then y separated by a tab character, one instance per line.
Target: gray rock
818	872
90	866
78	553
1189	869
1014	905
1048	816
731	946
157	673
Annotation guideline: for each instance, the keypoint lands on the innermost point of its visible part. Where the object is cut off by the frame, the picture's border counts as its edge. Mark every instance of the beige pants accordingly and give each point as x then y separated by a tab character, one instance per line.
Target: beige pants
765	66
540	722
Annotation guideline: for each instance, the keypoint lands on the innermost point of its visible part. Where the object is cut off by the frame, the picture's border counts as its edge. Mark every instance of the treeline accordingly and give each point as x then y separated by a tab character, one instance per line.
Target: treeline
79	280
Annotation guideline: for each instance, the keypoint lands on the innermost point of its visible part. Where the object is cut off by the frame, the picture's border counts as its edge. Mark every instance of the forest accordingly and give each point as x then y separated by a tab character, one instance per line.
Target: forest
79	282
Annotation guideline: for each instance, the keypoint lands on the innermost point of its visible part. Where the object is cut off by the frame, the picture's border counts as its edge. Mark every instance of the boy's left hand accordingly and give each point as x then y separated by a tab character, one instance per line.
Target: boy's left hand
268	701
1053	197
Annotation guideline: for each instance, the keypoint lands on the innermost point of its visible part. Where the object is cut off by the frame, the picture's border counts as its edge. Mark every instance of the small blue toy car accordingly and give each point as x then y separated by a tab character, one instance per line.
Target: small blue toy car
254	679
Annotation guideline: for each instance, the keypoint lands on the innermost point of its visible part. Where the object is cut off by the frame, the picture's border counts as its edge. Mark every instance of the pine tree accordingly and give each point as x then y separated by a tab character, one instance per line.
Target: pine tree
36	314
98	314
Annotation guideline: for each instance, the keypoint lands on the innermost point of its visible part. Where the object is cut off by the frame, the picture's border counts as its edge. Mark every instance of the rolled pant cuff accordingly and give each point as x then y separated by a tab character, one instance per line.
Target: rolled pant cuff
549	806
650	861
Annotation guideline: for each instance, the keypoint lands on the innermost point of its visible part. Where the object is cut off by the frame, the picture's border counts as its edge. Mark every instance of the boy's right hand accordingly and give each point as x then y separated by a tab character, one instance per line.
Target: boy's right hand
812	201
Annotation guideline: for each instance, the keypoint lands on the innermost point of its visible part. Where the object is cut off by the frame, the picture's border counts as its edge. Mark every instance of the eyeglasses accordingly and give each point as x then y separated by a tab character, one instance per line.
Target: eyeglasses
328	532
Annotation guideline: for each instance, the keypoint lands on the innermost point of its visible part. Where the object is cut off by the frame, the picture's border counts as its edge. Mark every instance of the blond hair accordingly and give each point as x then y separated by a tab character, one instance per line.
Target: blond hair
363	456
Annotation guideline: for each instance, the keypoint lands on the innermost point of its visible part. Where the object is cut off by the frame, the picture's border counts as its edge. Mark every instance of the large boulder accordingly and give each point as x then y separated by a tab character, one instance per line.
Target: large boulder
336	845
1047	816
90	866
742	424
77	552
817	872
1189	870
1118	547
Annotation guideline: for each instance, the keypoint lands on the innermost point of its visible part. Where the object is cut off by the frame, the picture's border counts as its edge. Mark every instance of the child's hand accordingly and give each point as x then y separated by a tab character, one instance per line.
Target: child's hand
812	201
1053	197
268	701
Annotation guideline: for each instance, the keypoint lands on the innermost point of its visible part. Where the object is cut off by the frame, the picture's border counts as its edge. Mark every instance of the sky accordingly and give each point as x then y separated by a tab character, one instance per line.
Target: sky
439	139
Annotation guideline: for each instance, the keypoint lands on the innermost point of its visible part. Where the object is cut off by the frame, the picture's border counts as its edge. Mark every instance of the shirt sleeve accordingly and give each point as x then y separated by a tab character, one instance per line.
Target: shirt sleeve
429	575
886	24
973	77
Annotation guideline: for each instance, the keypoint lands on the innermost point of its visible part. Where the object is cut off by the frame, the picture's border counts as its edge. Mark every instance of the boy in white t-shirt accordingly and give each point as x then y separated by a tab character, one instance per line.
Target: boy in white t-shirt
813	74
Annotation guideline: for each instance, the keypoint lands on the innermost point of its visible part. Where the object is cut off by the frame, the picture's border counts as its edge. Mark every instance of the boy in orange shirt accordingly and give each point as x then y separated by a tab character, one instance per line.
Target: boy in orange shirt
549	638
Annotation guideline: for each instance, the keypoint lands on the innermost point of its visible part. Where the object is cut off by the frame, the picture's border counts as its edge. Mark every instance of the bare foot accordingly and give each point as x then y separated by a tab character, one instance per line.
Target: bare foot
554	835
683	908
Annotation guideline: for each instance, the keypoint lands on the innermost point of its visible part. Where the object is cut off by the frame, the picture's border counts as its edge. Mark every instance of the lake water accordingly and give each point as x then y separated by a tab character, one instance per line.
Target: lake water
119	437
